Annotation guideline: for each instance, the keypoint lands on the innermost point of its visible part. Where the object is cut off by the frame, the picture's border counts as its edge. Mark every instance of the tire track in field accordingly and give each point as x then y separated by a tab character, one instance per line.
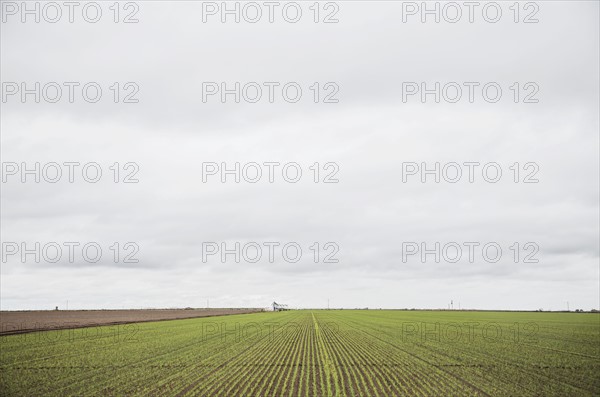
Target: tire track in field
408	384
329	372
562	351
355	357
379	382
340	360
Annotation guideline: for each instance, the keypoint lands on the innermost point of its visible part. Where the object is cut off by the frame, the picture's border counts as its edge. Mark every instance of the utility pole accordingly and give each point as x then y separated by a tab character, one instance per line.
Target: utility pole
452	304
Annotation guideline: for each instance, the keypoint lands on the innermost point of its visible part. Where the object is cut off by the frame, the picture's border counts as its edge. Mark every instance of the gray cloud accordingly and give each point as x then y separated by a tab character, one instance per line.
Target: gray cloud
369	134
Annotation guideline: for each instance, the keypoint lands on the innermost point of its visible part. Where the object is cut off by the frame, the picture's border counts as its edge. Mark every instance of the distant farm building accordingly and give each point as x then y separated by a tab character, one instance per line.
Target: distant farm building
277	307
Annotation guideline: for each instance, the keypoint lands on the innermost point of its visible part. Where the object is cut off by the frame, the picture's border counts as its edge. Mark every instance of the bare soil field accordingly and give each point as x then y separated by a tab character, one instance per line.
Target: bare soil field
17	322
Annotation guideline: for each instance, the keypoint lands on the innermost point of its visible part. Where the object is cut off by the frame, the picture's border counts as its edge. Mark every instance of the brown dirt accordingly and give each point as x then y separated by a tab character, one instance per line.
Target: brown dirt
18	322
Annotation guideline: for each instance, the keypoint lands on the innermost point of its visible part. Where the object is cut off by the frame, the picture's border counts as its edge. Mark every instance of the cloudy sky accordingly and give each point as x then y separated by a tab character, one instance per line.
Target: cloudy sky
361	237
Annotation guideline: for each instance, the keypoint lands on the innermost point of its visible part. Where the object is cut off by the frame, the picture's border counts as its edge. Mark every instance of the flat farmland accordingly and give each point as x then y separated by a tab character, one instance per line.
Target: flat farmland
314	353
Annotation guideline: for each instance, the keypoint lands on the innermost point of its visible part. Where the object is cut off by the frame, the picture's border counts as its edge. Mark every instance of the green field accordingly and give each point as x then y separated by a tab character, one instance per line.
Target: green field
314	353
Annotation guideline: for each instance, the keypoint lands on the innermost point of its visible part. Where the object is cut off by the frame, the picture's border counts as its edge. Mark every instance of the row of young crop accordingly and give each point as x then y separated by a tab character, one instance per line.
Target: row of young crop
281	364
41	366
193	364
305	354
441	365
368	365
450	358
162	354
206	361
162	351
500	367
248	369
546	366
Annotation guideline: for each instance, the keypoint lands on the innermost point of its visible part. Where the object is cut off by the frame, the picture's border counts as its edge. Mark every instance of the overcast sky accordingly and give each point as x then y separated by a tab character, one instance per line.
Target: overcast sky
370	214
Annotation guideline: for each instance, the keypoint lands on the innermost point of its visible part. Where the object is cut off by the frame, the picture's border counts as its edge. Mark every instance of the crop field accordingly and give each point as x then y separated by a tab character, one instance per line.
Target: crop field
314	353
